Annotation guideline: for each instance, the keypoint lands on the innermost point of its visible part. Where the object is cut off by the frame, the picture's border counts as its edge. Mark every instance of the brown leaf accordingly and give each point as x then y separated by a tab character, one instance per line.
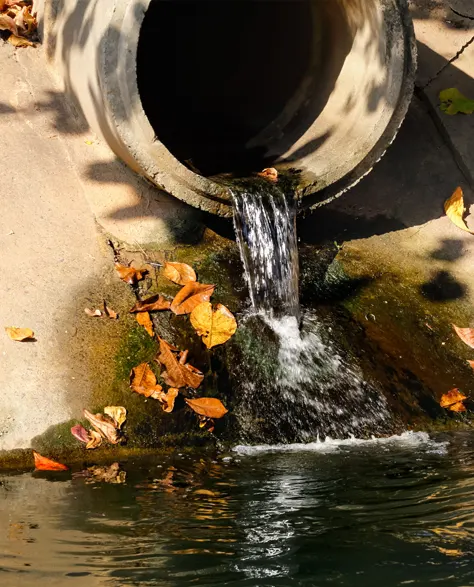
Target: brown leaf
25	21
111	474
95	441
269	173
177	374
19	41
167	399
215	326
8	24
466	335
93	313
105	427
452	400
129	274
190	296
152	304
143	318
141	378
179	273
210	407
109	312
44	464
117	413
454	208
19	334
80	433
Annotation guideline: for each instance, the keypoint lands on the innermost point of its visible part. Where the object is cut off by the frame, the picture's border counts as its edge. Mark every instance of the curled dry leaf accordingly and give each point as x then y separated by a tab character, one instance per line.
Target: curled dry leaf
210	407
117	413
8	24
103	426
95	441
167	399
215	326
109	312
143	318
111	474
453	102
19	334
17	41
453	400
454	209
178	373
190	296
129	274
93	313
269	173
179	273
44	464
152	304
80	433
466	335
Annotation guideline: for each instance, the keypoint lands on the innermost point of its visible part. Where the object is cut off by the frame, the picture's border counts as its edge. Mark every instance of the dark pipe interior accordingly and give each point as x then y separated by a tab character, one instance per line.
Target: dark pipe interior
212	75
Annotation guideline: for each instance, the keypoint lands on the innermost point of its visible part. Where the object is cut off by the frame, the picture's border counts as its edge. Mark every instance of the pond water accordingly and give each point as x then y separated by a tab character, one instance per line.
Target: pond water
358	513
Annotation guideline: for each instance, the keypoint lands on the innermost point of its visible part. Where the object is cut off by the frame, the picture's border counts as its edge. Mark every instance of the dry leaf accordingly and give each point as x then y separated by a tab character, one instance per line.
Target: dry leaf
269	173
190	296
167	399
178	373
111	474
19	41
152	304
466	335
471	363
80	433
93	313
179	273
117	413
8	24
141	378
454	208
129	274
215	326
19	334
44	464
453	400
210	407
25	21
109	312
106	428
143	318
95	441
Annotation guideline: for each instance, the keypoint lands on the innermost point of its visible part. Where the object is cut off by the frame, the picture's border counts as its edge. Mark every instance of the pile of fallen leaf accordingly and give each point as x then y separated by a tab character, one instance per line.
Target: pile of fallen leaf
19	19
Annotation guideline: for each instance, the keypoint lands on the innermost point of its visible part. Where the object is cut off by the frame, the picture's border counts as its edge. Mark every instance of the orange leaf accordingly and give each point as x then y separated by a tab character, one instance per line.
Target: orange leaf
179	273
19	334
129	274
109	312
269	173
190	296
452	400
166	399
466	335
210	407
44	464
178	373
141	378
143	318
152	304
454	208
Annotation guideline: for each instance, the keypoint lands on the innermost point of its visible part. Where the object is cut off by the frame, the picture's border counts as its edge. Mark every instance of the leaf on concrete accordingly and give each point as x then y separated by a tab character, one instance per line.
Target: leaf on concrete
454	208
105	427
269	173
152	304
453	400
117	413
80	433
93	313
466	335
210	407
178	373
19	334
109	312
129	274
8	24
19	41
95	441
190	296
179	273
141	378
44	464
215	326
143	318
453	102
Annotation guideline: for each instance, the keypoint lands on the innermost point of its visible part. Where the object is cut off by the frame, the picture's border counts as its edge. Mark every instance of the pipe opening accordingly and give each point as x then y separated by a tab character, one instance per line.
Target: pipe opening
230	86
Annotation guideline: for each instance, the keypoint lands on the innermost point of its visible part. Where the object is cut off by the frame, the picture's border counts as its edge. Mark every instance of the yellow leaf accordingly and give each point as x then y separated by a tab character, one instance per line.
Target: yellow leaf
454	208
215	326
117	413
210	407
19	334
179	273
19	41
190	296
144	319
95	440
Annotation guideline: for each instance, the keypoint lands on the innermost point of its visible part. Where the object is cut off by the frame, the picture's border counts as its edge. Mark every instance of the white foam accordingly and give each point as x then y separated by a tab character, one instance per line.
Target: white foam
406	440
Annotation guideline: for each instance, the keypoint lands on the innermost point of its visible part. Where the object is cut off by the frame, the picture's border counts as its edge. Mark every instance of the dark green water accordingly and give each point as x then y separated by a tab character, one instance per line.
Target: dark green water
376	514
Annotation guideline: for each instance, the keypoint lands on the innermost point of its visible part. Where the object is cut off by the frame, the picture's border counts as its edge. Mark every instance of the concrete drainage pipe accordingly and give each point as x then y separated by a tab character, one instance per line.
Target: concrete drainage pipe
185	90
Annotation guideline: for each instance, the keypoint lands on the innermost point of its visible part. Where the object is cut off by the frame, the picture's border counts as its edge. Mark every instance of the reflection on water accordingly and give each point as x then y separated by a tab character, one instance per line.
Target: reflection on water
371	514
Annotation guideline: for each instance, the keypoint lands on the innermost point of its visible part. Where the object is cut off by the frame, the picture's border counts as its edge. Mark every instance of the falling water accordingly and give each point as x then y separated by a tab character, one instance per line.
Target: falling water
293	385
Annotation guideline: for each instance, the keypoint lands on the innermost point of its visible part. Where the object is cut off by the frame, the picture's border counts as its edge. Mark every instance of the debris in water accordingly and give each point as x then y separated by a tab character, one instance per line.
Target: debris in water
129	274
178	372
152	304
453	400
466	335
454	209
179	273
269	173
210	407
215	326
143	318
453	102
44	464
190	296
111	474
19	334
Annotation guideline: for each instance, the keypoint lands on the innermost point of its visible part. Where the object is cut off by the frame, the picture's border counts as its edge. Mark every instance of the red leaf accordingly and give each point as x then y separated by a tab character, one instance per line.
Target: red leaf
44	464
